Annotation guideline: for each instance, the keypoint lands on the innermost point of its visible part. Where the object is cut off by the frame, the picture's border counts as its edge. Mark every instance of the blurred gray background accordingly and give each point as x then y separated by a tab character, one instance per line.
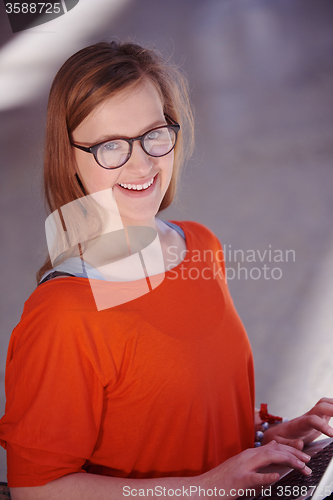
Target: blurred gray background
261	177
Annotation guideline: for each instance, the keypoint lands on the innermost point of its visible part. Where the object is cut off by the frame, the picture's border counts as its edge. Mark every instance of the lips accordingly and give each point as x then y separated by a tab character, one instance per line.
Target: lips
137	187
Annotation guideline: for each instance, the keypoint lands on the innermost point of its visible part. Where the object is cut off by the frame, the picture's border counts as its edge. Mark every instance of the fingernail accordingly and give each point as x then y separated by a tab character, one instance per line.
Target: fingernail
330	432
307	470
306	457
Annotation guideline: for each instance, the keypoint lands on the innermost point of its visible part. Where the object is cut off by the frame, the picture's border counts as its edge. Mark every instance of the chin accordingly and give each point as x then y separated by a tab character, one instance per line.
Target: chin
145	218
140	215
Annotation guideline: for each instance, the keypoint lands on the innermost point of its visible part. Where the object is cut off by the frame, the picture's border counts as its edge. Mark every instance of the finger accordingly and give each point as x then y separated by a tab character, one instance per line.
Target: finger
286	448
318	424
282	458
325	400
266	479
295	443
256	480
327	429
274	453
323	407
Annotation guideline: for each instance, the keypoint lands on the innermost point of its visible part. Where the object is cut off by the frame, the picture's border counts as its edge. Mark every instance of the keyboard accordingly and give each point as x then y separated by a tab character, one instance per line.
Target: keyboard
295	485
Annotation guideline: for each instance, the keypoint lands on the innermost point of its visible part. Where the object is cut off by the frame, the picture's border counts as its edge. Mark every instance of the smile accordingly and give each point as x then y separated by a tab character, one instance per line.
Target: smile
137	187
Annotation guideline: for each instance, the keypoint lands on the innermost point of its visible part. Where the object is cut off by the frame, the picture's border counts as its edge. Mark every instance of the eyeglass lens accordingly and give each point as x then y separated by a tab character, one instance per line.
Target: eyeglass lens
157	142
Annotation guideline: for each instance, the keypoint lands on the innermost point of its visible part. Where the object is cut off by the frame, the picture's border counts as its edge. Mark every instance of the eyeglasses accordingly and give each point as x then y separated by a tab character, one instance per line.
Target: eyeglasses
114	153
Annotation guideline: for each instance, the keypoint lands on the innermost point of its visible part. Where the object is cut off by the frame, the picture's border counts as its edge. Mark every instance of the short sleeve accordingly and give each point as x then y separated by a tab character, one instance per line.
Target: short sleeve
54	394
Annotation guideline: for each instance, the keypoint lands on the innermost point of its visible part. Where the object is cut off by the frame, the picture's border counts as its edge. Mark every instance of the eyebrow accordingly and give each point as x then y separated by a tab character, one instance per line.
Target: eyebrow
106	138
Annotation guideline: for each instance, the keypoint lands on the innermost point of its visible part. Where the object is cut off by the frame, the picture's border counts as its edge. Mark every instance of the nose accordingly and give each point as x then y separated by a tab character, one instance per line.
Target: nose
139	162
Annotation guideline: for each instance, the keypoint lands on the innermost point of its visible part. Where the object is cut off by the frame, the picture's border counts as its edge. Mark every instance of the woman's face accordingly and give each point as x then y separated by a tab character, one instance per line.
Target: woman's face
128	114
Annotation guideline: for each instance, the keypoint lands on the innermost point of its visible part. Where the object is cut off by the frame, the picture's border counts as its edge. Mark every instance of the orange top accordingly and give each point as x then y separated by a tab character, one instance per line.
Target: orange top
160	386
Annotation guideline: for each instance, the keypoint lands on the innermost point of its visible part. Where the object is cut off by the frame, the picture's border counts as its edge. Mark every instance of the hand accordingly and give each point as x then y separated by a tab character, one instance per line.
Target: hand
242	471
304	429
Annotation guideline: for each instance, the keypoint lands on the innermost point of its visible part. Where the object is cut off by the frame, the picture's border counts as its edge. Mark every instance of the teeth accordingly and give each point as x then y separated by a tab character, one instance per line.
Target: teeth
137	187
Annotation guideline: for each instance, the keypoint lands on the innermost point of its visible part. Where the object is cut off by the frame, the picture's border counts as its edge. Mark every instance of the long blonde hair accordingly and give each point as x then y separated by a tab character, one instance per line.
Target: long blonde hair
86	79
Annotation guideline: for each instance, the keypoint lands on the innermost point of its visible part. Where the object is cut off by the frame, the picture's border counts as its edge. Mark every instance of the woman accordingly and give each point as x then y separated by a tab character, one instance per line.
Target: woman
119	381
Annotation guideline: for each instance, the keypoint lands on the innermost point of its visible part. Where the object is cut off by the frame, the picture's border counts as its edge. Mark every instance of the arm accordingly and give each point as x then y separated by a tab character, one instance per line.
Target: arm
239	472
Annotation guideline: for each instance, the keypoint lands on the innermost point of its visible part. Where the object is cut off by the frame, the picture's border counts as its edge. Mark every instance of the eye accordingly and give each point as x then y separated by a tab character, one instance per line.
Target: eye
110	146
155	134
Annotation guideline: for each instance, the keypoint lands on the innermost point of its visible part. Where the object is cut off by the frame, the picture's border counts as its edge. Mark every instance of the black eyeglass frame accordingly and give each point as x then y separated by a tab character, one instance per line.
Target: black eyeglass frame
93	149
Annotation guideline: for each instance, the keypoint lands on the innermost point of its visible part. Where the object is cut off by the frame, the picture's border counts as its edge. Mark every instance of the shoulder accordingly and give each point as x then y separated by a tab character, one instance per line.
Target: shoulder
61	295
60	322
56	309
66	307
